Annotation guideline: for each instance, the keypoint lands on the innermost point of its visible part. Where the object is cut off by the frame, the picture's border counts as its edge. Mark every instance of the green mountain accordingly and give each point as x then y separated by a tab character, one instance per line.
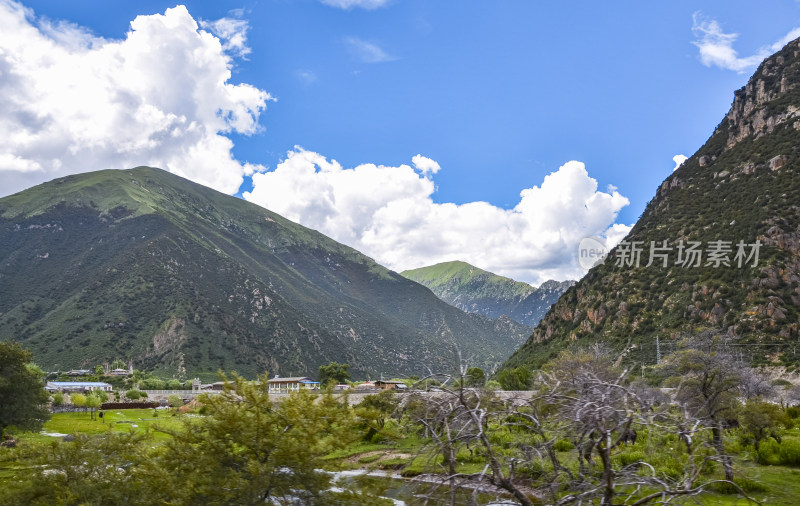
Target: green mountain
742	185
477	291
146	266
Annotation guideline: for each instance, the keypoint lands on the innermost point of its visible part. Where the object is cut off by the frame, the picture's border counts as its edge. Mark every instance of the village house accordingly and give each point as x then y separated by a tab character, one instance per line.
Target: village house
390	385
293	384
367	385
77	386
79	372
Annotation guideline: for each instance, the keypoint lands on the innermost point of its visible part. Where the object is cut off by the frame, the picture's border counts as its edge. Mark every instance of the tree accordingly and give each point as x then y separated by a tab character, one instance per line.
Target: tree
584	404
78	400
334	372
154	384
762	420
375	409
175	401
23	400
93	402
99	370
515	379
58	399
133	395
708	384
248	450
475	377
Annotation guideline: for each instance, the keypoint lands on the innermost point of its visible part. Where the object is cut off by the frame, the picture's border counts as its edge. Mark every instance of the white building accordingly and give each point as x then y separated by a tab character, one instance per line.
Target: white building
77	386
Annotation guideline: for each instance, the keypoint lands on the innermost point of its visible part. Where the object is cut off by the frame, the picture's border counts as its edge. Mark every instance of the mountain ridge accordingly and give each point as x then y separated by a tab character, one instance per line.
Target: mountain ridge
742	185
143	265
475	290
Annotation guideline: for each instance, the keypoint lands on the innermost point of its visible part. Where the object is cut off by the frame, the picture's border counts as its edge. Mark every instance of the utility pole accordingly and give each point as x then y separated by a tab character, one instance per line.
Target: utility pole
658	352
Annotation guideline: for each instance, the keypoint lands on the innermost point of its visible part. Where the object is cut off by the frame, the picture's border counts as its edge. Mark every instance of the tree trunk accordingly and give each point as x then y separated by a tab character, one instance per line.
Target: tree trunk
608	474
716	431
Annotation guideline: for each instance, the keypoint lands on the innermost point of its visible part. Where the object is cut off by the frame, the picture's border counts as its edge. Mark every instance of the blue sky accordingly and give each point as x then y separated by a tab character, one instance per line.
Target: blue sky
497	94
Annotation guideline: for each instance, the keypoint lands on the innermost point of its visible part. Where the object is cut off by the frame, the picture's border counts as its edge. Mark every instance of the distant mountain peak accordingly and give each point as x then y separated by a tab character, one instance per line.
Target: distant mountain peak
478	291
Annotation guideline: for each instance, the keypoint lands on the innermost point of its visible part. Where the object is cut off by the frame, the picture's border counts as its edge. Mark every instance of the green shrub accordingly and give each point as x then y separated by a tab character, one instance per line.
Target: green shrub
562	445
533	469
790	452
627	458
750	485
769	453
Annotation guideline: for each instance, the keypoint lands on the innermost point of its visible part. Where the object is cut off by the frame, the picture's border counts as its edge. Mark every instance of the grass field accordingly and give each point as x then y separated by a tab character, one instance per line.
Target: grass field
773	485
118	420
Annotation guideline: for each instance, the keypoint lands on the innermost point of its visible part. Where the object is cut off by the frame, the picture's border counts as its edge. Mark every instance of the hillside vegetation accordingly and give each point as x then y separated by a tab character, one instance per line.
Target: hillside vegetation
742	185
143	265
478	291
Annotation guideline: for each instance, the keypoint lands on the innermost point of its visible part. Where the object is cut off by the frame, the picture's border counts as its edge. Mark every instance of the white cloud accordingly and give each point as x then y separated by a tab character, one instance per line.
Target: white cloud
72	102
232	31
425	164
389	214
349	4
367	52
678	159
716	46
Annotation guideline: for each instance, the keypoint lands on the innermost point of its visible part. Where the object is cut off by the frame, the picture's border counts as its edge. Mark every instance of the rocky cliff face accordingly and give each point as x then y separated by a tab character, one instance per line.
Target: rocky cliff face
741	188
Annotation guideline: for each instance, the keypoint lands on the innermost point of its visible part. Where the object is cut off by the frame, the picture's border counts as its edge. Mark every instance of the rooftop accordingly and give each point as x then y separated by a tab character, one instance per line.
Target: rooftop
292	379
77	384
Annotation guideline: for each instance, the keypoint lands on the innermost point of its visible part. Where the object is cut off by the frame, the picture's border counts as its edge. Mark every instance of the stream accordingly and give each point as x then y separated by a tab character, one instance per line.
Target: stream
427	489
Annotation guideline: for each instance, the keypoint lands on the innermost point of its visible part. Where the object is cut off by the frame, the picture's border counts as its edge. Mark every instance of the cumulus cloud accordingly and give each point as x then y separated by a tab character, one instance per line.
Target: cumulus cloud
389	214
716	46
349	4
367	52
73	102
678	159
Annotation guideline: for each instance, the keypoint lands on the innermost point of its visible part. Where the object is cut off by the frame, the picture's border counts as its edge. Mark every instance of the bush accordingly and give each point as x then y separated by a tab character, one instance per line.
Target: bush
58	399
790	452
562	445
134	395
627	458
750	485
769	453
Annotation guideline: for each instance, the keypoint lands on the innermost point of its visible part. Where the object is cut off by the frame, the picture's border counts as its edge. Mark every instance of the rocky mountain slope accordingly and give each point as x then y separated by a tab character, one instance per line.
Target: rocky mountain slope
477	291
143	265
742	186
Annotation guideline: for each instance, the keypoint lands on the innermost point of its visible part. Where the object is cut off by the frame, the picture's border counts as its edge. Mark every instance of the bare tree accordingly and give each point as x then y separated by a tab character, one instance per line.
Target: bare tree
585	397
710	380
